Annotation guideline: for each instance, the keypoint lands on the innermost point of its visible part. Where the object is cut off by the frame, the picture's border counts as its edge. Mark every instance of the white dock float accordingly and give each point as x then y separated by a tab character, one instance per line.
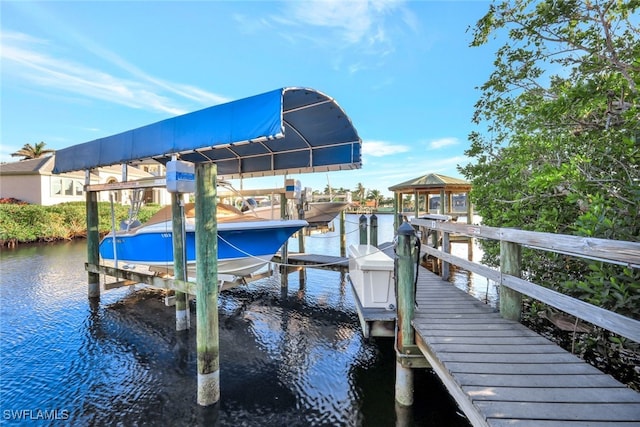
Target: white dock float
372	281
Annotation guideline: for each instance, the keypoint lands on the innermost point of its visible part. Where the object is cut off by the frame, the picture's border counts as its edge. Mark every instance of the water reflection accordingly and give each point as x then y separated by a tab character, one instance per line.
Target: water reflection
295	359
480	287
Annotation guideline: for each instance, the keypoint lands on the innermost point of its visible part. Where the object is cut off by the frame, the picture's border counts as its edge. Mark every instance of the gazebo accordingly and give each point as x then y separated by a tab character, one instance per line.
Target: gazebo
433	194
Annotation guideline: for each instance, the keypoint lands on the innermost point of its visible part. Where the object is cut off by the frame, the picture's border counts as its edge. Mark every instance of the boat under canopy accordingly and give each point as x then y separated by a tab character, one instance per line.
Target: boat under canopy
245	242
284	131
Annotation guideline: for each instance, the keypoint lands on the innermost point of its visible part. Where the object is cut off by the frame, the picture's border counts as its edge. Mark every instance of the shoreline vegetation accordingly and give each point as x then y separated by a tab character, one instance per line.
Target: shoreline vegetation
21	222
26	223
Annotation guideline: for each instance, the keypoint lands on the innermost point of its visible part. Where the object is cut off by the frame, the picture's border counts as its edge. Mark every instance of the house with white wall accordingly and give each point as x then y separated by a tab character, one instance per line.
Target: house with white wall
33	181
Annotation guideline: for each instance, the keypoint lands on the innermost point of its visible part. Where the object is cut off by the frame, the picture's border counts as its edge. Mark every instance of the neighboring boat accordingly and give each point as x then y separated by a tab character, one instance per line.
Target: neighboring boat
317	214
245	242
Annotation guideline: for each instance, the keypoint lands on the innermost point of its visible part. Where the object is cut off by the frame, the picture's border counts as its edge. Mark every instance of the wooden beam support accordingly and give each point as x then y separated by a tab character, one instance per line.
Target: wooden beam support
145	278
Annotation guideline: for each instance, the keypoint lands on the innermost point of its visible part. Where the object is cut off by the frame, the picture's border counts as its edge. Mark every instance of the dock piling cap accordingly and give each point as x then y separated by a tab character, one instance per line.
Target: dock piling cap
406	229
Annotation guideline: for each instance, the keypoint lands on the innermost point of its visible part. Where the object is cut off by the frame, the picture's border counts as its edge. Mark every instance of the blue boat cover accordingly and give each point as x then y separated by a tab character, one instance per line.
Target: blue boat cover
285	131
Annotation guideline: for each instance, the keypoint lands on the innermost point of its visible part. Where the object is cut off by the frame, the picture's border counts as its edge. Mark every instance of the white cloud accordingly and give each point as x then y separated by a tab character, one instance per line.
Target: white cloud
443	142
338	25
23	57
382	148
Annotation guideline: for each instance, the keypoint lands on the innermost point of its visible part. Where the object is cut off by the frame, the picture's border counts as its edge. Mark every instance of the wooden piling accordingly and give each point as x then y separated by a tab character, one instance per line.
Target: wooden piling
510	261
302	272
397	207
363	229
404	384
207	335
284	271
93	243
373	231
405	299
301	232
343	234
179	260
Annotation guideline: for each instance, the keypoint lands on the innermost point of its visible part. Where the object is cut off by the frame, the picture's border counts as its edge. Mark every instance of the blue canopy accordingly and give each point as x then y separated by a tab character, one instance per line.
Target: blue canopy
285	131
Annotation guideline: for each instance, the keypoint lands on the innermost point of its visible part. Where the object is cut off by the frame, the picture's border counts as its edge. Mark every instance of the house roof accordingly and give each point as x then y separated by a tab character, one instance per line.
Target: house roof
288	130
28	167
432	181
44	166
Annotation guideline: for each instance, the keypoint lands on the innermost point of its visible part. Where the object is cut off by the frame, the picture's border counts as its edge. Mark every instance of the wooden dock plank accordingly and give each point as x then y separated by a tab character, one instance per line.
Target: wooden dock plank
558	395
551	358
522	368
495	340
499	349
561	423
495	332
503	374
562	411
536	381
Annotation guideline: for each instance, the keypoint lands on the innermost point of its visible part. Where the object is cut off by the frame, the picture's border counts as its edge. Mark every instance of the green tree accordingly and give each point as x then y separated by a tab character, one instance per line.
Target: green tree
29	151
376	196
360	192
560	152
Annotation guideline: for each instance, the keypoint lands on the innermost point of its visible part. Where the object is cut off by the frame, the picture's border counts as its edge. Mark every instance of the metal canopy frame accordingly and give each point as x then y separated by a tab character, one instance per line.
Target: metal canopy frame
285	131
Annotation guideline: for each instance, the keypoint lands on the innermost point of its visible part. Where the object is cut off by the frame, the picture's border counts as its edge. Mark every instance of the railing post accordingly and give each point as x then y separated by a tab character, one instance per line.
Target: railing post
405	300
373	232
510	261
363	229
207	335
446	248
434	242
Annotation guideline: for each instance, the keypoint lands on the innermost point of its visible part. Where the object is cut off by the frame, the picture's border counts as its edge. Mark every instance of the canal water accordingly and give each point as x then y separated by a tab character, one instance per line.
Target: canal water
294	359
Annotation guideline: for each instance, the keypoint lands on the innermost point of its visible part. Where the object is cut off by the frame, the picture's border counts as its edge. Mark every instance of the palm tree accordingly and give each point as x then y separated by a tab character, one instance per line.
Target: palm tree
359	191
29	151
376	196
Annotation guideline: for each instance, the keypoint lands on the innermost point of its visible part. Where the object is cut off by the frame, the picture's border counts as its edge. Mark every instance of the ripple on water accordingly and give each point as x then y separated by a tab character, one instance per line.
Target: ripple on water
296	359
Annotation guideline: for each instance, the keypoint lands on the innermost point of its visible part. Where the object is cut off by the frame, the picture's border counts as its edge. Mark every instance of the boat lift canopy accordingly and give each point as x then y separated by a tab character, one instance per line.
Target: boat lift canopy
285	131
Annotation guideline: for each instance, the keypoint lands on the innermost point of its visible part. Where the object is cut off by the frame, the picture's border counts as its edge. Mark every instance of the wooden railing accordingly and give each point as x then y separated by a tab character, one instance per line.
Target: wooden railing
511	241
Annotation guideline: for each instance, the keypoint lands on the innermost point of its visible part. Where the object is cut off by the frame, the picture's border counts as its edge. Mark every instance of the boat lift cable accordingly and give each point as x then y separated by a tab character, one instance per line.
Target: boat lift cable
324	236
252	256
269	260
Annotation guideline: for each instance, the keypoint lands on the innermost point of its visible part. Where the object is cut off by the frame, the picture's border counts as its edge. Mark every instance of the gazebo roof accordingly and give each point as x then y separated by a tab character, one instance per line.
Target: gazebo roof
432	181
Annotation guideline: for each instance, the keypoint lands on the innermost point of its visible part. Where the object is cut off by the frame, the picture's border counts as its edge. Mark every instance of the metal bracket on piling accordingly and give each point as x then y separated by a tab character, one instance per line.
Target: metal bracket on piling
411	357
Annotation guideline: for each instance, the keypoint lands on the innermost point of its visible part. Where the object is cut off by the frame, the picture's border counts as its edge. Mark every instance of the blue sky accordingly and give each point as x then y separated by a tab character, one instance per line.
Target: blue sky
403	72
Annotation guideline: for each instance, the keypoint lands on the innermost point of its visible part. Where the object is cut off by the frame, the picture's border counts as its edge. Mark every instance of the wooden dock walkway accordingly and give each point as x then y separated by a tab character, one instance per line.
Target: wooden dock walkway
503	374
499	372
